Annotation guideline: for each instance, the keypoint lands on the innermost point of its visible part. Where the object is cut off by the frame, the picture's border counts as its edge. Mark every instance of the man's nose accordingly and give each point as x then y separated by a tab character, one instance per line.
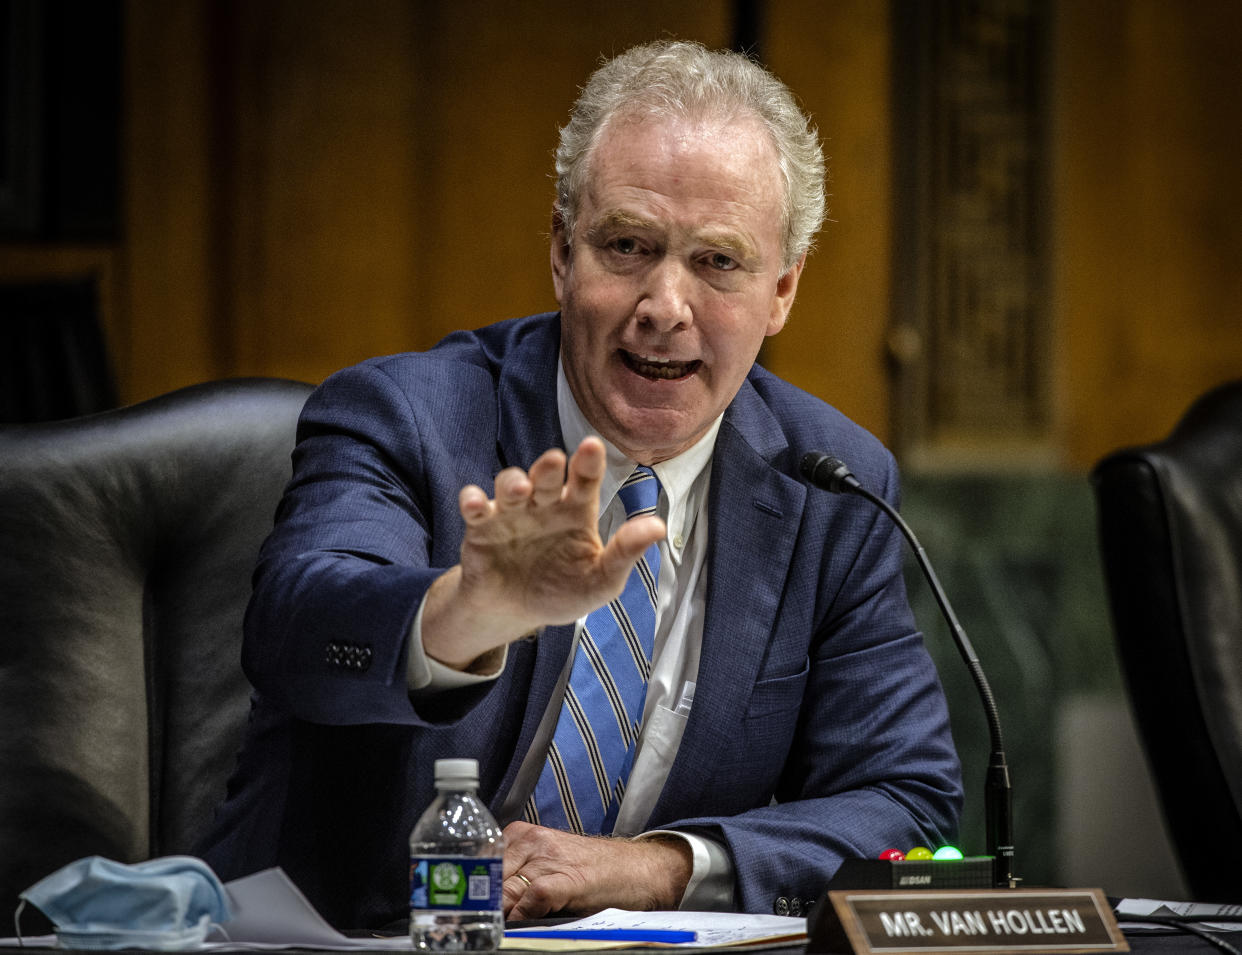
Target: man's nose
665	303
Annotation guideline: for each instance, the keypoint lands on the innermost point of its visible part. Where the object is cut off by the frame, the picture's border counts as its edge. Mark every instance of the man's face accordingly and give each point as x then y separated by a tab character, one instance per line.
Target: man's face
671	279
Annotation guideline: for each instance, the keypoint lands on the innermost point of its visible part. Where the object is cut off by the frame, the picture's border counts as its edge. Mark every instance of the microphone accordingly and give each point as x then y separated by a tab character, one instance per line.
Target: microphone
831	474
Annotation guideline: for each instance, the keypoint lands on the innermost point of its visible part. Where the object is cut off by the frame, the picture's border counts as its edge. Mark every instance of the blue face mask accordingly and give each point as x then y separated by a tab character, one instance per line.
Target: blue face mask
162	905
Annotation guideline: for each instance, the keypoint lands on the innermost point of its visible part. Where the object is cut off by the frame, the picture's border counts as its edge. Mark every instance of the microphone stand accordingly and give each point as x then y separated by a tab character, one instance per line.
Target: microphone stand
831	474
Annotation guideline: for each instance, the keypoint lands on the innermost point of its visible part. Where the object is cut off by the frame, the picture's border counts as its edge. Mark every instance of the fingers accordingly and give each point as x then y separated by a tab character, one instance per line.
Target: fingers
547	478
552	480
586	470
546	483
513	488
533	551
552	872
512	890
543	870
522	898
630	542
515	856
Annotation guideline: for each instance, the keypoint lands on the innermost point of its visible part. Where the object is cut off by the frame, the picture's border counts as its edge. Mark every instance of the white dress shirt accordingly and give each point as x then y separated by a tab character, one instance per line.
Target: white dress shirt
681	598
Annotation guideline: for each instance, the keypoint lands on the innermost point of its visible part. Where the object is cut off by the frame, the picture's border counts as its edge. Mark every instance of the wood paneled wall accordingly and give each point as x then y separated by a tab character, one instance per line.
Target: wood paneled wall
310	182
836	58
1147	232
317	181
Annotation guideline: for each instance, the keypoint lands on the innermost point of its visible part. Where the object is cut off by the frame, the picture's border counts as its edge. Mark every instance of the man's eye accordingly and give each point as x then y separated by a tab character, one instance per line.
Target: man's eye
721	262
625	246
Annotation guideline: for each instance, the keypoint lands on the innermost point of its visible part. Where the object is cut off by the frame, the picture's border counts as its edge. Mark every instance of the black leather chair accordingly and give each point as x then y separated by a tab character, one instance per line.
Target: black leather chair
1170	523
127	540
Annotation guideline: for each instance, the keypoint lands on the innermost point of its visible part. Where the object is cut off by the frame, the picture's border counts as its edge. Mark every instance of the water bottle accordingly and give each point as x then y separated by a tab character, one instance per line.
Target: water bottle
456	867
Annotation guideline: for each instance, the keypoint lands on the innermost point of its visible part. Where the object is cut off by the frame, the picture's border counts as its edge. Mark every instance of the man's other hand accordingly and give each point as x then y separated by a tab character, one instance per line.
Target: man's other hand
549	871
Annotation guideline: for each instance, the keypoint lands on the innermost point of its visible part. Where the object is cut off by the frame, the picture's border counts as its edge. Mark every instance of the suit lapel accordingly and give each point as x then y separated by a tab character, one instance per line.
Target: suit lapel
754	516
526	398
529	425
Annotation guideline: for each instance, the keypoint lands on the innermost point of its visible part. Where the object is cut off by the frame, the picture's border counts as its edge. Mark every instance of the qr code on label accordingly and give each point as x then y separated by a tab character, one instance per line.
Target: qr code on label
480	887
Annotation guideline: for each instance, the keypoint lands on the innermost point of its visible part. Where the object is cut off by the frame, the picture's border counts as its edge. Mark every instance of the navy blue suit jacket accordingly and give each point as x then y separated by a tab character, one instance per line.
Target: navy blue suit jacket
818	730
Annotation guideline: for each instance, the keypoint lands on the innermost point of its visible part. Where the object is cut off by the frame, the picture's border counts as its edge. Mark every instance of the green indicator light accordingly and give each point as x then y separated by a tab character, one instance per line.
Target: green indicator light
947	852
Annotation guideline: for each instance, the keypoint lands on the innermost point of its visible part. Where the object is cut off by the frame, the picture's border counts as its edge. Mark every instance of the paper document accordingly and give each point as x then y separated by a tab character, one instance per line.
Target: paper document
1202	912
711	929
269	911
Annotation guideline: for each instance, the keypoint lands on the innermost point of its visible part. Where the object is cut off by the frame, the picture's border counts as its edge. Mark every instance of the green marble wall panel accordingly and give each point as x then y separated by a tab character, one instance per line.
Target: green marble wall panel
1018	558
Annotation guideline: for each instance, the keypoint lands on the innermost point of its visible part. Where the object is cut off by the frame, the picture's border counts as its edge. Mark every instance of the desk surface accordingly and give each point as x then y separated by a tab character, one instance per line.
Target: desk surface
1144	942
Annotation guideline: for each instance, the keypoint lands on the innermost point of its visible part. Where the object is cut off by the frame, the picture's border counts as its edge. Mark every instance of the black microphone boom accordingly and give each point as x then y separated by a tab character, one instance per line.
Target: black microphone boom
832	474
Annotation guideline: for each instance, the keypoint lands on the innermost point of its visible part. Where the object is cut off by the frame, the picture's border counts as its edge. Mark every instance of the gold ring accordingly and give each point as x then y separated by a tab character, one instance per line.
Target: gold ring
523	878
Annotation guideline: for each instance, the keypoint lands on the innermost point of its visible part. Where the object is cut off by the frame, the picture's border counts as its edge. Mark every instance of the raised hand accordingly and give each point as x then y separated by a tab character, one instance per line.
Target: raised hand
531	556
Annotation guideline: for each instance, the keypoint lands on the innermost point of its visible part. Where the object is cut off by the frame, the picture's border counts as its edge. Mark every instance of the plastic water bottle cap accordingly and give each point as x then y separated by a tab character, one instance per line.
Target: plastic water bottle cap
457	770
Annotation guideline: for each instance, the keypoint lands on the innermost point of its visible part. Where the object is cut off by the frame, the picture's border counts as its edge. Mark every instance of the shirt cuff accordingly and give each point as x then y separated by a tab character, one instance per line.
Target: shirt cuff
710	888
425	675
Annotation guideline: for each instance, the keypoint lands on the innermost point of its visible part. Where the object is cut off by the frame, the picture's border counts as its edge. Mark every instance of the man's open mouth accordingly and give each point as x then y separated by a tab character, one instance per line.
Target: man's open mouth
658	368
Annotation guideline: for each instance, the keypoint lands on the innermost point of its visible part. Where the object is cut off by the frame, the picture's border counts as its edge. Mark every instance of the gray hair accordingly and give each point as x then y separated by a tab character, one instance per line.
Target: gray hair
678	78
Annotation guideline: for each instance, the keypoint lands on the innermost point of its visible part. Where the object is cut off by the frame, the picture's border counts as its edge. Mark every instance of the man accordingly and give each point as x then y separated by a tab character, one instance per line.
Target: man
438	558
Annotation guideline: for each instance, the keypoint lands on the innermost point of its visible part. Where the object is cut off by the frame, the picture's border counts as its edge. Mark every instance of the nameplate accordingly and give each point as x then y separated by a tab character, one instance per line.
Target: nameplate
870	922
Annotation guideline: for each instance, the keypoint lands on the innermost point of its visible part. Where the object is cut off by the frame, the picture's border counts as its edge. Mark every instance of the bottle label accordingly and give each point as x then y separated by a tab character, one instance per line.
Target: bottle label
453	882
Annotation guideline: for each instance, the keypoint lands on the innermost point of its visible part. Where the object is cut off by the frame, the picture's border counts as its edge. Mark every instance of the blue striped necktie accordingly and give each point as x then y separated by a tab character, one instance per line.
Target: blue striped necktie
583	781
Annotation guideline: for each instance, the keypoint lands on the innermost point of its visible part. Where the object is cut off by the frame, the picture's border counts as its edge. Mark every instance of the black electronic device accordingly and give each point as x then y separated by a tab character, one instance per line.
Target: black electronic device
972	872
831	474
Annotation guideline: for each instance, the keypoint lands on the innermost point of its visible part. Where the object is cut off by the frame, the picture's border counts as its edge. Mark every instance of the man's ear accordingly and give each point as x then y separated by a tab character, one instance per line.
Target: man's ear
560	252
786	290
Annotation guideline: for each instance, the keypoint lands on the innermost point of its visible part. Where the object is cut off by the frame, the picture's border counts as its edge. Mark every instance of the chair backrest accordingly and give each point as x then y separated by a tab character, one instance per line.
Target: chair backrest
127	540
1170	522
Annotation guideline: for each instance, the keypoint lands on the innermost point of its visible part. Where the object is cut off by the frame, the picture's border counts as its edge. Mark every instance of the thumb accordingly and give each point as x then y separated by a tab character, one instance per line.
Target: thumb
629	543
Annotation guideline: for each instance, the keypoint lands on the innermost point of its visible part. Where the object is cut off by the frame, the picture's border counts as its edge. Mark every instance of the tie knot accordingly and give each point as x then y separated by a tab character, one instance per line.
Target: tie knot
641	492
